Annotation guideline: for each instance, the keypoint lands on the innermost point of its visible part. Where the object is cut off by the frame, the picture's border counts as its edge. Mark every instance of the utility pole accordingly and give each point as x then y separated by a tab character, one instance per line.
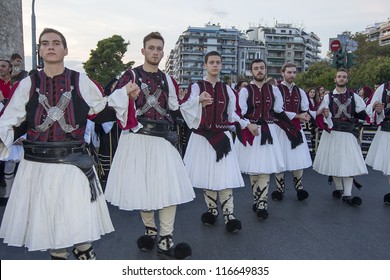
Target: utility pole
33	37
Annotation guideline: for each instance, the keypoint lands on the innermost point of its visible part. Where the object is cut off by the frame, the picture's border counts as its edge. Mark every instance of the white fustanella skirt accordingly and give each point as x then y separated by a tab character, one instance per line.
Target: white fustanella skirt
50	208
205	172
147	173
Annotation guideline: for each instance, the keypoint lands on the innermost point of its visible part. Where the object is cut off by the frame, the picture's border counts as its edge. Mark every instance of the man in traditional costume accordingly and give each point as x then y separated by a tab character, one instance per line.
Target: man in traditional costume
260	156
210	158
296	106
56	199
148	173
339	154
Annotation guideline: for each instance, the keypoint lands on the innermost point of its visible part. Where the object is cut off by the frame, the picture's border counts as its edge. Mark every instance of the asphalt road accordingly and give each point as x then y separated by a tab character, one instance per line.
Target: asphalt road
319	228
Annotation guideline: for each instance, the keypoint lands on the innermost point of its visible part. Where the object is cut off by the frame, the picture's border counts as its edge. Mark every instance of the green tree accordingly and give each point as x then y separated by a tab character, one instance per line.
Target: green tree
372	67
105	62
368	50
318	74
370	72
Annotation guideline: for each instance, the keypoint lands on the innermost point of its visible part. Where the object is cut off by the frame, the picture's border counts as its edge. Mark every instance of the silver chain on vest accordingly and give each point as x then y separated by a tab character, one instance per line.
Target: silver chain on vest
55	113
342	108
151	101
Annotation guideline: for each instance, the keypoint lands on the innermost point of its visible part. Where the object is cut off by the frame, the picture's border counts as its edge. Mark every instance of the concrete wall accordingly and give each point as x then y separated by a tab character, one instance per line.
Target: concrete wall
11	28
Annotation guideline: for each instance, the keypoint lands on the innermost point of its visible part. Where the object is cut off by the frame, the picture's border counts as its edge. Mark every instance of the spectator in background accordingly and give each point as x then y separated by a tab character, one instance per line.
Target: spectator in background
365	93
321	92
314	98
17	72
240	85
5	80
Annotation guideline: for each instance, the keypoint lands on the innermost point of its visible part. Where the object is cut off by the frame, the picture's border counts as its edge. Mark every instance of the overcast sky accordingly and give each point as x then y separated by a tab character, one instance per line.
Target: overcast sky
86	22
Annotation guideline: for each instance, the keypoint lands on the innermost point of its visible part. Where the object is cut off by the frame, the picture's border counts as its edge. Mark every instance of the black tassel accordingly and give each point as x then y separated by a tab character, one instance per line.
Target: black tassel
357	184
93	184
223	149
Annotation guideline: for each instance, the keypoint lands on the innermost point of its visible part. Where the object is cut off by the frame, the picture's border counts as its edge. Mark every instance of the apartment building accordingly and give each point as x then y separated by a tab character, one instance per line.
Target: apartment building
185	62
276	45
379	31
286	43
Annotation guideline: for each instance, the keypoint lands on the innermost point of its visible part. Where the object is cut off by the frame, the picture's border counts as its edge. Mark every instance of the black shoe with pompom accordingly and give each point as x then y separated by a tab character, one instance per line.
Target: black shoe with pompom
276	195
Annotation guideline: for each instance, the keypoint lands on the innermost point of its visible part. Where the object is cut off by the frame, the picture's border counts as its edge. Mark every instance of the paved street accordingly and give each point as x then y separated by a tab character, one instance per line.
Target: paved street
320	228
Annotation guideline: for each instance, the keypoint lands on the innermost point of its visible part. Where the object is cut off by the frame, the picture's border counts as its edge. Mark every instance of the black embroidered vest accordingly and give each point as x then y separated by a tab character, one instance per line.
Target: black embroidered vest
154	82
75	113
260	103
346	115
215	116
291	100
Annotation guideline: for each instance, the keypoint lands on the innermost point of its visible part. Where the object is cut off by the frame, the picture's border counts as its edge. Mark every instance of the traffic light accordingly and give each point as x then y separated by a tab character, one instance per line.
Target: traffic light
339	58
351	57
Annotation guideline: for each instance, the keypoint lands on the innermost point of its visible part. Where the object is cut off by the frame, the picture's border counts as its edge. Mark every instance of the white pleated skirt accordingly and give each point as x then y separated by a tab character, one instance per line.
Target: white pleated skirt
297	158
378	156
205	172
50	208
339	154
147	173
261	159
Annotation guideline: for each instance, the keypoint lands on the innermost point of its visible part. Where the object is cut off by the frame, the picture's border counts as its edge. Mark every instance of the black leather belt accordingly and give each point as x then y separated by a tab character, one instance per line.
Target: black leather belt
51	152
343	126
159	129
74	153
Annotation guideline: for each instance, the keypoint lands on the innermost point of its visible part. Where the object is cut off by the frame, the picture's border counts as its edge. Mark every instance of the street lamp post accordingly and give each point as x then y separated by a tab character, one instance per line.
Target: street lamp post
33	37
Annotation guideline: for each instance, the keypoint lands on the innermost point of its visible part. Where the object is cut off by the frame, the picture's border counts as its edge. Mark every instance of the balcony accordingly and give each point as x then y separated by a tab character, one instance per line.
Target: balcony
191	52
275	47
276	57
275	64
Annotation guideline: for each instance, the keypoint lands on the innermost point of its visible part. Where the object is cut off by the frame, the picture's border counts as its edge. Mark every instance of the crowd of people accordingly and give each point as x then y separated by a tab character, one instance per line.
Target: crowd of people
60	192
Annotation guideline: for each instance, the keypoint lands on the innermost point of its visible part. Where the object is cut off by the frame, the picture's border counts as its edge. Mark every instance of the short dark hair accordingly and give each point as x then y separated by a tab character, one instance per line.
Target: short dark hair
287	65
258	60
51	30
32	72
342	70
153	35
9	63
15	56
212	53
239	83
